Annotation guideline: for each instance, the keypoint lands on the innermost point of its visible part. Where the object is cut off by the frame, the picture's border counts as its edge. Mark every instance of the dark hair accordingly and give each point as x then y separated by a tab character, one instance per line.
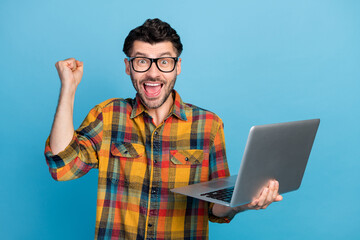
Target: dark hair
153	31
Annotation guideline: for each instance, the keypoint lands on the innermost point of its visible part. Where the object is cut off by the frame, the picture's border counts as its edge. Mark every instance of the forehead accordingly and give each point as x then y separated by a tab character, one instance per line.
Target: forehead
155	50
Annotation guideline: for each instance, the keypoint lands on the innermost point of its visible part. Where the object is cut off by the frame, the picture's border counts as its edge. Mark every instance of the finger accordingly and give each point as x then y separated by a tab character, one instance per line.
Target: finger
276	190
60	64
270	197
79	65
253	204
70	63
61	67
263	197
278	198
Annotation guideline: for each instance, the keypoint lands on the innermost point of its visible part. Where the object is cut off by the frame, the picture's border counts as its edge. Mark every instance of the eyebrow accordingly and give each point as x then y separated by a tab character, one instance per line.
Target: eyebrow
140	54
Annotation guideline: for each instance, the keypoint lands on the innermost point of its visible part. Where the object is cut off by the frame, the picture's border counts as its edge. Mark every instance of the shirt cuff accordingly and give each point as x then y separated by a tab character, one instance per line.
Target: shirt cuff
216	219
64	157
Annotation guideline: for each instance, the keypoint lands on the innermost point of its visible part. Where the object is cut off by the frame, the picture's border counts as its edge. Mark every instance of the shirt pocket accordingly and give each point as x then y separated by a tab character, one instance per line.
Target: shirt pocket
127	150
127	162
186	157
185	167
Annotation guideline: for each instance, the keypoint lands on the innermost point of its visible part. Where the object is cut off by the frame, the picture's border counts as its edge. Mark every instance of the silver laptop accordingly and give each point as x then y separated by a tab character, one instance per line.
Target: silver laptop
274	151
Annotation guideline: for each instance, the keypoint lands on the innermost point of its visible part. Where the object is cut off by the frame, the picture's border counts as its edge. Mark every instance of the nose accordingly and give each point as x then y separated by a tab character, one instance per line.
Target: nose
153	71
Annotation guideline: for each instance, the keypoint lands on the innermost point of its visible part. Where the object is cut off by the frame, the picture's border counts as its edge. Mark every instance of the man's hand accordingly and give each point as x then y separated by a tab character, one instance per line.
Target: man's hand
269	194
70	72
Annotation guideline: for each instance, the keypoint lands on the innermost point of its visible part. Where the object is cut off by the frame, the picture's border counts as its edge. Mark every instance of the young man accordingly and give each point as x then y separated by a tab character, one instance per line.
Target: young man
145	146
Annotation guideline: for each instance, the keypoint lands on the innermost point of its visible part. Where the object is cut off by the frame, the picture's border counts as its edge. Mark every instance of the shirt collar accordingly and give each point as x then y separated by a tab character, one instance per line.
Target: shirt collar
178	108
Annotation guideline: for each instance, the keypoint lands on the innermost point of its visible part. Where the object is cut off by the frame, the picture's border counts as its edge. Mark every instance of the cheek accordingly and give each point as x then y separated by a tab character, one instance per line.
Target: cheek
172	78
133	80
136	78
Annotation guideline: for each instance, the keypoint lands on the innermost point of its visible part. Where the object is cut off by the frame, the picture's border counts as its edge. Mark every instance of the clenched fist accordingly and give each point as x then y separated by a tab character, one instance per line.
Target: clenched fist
70	72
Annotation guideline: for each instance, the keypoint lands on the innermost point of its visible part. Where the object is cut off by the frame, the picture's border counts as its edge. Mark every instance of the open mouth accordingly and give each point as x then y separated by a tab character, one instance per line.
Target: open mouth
152	89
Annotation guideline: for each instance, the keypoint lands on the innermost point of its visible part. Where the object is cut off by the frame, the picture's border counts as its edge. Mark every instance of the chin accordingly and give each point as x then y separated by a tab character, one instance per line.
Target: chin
151	104
154	104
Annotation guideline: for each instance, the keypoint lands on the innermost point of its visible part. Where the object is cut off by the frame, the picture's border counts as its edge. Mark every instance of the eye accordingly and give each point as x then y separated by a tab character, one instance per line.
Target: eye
164	62
141	61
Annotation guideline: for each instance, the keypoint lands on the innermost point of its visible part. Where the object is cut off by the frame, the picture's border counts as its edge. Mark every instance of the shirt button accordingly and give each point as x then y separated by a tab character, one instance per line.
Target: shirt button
156	133
155	161
149	225
153	191
186	159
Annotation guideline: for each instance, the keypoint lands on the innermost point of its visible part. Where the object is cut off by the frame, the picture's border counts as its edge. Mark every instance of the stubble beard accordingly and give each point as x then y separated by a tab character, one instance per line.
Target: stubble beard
168	87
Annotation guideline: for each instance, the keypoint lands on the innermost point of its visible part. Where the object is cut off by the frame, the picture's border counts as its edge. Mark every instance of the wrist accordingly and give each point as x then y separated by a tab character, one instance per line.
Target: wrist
233	212
239	209
68	90
67	94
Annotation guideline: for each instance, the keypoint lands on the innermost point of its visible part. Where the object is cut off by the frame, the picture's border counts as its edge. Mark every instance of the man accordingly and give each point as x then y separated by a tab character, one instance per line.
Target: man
144	147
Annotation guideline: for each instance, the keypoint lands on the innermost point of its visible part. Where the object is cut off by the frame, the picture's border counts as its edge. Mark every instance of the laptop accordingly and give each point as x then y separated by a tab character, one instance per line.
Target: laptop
274	151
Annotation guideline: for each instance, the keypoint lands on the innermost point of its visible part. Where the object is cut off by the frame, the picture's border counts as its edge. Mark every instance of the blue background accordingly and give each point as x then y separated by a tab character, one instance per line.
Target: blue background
251	62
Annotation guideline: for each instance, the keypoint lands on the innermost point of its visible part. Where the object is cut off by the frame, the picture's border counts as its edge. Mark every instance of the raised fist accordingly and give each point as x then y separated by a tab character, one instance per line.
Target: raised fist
70	72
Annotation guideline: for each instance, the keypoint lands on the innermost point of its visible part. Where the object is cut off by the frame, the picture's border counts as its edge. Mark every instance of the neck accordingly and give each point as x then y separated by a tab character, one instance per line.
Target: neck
159	114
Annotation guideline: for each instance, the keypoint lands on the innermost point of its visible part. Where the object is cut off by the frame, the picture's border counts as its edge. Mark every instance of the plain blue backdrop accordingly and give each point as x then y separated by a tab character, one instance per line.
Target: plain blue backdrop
251	62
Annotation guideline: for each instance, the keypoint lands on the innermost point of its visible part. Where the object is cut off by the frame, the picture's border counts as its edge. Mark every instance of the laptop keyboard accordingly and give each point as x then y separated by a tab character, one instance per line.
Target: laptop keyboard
222	194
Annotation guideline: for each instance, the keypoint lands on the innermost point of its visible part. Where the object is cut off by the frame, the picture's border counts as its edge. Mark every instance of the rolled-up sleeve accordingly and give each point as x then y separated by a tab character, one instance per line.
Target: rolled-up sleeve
81	154
218	167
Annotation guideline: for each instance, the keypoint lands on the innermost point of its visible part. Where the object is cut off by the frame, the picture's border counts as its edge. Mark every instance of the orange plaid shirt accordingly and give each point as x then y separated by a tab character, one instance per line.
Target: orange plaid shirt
139	163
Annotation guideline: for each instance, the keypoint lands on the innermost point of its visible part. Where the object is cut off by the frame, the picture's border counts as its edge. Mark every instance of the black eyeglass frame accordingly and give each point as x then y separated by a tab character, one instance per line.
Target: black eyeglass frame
131	59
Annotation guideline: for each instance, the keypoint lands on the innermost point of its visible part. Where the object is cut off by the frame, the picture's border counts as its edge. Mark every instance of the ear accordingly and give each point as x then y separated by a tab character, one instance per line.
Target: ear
178	66
127	66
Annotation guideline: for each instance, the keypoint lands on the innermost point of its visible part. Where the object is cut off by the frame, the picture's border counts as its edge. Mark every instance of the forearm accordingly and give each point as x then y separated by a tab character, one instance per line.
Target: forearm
63	128
224	211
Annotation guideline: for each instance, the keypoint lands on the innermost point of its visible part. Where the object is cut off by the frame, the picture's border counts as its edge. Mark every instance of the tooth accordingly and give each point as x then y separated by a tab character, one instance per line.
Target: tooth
152	84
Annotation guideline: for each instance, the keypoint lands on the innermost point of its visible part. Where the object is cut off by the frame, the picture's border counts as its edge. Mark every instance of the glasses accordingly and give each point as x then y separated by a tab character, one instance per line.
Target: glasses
143	64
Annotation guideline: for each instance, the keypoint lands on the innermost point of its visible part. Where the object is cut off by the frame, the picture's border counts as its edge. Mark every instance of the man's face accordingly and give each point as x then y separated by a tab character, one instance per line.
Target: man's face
153	86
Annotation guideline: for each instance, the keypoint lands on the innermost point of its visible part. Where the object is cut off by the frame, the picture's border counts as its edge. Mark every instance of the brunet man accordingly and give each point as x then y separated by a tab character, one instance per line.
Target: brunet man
145	146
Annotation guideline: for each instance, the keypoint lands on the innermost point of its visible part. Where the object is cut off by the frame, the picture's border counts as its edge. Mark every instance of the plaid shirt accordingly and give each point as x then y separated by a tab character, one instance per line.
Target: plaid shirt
139	163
